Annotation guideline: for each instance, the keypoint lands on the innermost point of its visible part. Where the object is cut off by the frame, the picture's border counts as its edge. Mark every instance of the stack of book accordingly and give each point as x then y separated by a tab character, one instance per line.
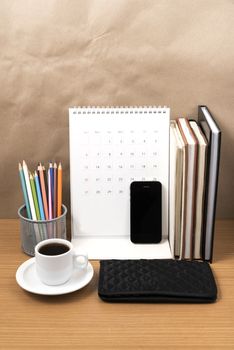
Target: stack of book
194	166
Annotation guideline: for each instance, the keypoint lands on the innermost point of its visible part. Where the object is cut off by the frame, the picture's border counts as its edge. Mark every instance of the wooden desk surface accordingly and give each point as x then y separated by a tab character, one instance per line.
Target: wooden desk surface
80	320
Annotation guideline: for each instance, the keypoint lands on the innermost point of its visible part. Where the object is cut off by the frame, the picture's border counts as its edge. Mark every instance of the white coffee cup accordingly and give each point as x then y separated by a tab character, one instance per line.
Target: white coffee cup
56	259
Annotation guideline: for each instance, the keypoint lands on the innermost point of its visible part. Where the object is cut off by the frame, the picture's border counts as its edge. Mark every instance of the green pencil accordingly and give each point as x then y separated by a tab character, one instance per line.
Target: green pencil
32	183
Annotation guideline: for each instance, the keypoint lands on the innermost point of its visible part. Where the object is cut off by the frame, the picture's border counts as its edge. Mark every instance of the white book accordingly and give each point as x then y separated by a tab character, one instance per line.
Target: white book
177	154
200	188
189	202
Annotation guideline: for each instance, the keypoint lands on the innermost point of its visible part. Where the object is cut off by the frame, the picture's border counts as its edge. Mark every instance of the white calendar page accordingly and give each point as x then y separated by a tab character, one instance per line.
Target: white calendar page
109	149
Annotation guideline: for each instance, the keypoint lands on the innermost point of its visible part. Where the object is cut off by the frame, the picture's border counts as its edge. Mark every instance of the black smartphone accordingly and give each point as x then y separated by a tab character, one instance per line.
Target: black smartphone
145	212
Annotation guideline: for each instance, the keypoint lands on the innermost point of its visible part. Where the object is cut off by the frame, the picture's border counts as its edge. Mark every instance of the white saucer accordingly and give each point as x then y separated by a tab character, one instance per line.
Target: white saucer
27	278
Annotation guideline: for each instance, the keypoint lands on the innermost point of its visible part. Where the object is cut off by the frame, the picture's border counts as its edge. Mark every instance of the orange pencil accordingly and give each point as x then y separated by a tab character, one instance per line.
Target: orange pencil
59	192
43	191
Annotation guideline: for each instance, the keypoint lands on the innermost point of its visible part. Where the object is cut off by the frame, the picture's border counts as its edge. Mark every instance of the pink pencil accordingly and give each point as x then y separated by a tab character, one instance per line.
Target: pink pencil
43	190
49	196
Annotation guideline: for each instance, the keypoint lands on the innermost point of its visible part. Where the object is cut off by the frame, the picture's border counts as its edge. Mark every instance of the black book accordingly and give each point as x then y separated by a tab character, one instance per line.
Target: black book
213	135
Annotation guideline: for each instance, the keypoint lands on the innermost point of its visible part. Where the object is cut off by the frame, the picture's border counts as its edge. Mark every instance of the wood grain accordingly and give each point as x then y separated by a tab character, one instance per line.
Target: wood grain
80	320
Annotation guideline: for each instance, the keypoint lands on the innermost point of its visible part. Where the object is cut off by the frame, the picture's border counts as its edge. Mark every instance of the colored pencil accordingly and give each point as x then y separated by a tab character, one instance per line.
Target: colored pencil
33	188
51	187
45	178
29	191
55	191
39	197
43	191
24	189
42	203
59	190
49	196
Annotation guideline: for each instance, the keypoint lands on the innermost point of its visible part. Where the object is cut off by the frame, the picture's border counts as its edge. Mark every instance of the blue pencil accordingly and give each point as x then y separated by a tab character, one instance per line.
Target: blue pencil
23	185
39	196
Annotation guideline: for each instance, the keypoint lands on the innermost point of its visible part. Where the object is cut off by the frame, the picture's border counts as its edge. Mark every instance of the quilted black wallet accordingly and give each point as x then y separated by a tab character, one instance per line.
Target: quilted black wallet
156	281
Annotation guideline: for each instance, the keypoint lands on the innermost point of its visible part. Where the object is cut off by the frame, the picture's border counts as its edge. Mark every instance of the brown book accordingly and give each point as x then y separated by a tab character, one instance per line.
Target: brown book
200	188
189	200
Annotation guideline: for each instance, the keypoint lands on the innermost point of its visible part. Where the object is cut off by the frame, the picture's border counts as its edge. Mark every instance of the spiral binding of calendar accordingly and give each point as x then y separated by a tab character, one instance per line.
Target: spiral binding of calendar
116	110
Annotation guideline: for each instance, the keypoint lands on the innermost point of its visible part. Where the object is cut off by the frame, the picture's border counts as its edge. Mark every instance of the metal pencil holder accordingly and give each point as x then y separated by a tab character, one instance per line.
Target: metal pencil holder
34	231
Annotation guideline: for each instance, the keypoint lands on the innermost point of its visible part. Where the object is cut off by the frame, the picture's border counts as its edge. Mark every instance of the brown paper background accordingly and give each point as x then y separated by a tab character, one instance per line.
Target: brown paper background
56	54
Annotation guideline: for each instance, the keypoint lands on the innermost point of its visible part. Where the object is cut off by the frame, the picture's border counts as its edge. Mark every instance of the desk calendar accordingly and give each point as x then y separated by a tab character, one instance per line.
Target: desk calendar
109	149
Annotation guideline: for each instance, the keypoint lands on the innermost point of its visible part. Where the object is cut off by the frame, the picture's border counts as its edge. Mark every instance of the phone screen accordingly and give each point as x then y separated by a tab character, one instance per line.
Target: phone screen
146	212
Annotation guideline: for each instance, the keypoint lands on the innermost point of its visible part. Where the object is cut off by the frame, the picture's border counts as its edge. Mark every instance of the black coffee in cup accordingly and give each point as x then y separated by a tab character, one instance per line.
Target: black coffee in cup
54	249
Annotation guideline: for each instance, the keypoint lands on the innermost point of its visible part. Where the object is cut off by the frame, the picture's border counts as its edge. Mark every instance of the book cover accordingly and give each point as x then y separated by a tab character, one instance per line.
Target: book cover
189	204
177	156
213	136
200	188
